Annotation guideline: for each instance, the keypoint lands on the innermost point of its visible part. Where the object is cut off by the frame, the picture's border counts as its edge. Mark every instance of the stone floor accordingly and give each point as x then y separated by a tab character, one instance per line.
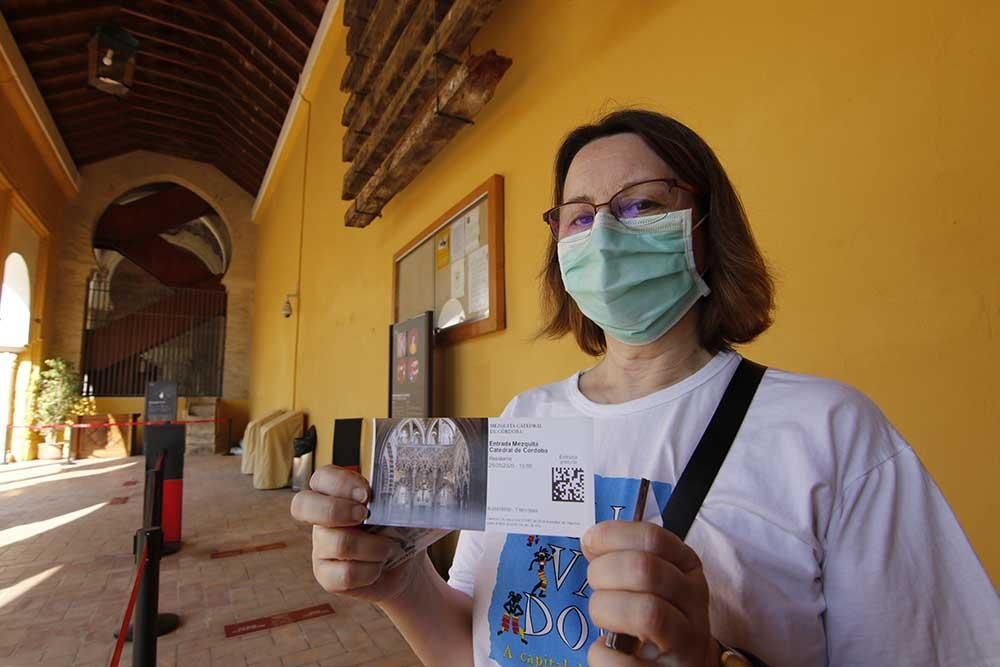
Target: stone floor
66	569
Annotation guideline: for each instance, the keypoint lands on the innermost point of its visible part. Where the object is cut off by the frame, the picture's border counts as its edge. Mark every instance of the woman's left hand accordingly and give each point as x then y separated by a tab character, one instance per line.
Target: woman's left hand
647	583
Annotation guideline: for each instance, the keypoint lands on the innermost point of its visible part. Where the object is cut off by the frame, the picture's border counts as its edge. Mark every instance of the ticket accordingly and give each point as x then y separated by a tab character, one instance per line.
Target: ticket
530	476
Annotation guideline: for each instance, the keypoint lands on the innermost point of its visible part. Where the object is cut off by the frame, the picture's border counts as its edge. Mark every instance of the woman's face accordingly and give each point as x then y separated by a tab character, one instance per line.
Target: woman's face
606	166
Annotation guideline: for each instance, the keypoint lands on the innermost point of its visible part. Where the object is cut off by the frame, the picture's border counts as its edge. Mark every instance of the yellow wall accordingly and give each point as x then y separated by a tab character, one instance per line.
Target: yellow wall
862	137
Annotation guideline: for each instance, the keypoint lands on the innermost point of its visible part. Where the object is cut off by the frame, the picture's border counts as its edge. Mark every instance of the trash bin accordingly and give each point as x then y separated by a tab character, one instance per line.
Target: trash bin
302	465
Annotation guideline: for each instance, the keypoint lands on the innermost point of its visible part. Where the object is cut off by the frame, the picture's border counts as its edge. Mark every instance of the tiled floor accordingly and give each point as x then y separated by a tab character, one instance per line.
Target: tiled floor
66	569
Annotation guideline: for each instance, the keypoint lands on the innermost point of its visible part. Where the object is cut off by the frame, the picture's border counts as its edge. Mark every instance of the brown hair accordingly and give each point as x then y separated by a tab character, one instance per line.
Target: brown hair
742	298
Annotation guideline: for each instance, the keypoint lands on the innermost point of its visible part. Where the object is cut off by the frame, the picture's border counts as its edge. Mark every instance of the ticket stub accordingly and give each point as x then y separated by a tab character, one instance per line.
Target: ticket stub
532	476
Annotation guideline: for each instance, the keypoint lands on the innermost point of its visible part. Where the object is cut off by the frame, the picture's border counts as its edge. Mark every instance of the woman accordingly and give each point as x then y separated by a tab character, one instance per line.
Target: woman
822	540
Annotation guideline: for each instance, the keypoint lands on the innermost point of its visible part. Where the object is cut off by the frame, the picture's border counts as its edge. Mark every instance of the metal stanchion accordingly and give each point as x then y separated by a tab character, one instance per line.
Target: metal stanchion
148	548
149	542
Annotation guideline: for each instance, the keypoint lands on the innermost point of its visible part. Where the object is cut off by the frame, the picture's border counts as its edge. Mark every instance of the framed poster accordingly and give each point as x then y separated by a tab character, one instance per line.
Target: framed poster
411	357
455	268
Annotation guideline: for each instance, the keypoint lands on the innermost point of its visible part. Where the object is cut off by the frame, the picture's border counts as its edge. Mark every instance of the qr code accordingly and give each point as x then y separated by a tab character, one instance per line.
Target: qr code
567	485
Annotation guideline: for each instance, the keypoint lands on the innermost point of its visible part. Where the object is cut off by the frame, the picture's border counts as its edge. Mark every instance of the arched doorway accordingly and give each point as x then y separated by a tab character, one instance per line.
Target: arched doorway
156	306
15	332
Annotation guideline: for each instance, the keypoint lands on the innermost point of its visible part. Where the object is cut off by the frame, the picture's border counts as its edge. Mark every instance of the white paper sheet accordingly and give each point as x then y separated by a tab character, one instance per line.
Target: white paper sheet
472	231
458	279
457	239
479	280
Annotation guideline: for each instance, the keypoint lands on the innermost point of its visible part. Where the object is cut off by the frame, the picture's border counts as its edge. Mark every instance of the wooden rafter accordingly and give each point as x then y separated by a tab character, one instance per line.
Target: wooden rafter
213	79
255	84
460	98
296	21
405	49
277	25
452	37
377	39
221	25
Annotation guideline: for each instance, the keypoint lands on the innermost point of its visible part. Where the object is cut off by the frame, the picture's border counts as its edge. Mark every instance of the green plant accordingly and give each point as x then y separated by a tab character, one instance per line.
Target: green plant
58	393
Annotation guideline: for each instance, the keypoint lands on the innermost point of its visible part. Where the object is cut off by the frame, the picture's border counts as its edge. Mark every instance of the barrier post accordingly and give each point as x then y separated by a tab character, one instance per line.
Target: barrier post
150	544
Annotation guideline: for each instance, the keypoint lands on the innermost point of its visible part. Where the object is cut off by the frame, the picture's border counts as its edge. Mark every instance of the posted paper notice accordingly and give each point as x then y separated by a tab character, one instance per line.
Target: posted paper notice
479	280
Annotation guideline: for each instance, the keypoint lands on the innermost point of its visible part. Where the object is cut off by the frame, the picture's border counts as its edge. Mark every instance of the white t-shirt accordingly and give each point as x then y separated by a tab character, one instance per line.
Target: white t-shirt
824	540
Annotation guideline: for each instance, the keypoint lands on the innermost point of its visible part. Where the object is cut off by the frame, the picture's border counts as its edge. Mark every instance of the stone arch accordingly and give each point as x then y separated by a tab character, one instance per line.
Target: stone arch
102	183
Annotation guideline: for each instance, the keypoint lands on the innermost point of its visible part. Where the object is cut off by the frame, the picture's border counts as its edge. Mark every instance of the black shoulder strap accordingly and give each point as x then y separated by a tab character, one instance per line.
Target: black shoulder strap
700	471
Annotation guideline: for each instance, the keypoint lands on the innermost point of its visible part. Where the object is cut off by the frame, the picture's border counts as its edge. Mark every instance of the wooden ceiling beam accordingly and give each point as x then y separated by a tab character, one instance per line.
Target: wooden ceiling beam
295	20
265	106
172	25
396	112
69	125
264	85
462	96
221	105
60	21
104	154
156	141
230	145
77	107
380	35
181	64
312	8
221	41
68	94
63	44
60	79
279	26
211	110
58	62
407	46
261	39
83	138
172	93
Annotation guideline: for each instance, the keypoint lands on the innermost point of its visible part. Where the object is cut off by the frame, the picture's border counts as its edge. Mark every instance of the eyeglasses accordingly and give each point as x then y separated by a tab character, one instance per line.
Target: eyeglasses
649	198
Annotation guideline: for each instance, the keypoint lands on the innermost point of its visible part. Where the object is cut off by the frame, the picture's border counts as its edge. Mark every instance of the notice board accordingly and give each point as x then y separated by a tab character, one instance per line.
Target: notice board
455	268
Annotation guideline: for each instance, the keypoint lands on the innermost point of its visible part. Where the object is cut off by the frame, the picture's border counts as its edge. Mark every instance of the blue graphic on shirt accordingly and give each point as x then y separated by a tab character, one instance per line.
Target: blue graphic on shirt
538	610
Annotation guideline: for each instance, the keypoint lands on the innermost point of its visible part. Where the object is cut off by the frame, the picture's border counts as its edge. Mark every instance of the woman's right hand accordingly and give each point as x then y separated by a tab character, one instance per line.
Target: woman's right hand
346	559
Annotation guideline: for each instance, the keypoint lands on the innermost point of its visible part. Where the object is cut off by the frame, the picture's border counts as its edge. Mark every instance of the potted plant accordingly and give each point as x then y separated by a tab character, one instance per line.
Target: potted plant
58	394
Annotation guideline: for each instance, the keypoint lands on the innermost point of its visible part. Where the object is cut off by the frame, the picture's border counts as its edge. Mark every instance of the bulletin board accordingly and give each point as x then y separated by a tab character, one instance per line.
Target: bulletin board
455	268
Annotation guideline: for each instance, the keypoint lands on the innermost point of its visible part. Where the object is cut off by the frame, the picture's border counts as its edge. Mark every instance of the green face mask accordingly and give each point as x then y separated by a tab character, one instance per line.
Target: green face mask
635	279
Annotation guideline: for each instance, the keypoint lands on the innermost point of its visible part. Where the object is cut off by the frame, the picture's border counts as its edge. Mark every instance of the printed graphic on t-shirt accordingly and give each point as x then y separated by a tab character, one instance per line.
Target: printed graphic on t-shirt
538	609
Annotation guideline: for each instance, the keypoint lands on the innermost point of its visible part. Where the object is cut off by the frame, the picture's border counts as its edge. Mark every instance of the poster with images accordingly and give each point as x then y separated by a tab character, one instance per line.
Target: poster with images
410	367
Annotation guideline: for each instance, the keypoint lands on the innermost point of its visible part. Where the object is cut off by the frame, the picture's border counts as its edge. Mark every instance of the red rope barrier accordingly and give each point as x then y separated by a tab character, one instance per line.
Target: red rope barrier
168	422
120	644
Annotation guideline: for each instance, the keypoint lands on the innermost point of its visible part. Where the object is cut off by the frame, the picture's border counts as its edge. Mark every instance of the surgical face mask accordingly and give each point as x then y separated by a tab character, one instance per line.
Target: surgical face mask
636	279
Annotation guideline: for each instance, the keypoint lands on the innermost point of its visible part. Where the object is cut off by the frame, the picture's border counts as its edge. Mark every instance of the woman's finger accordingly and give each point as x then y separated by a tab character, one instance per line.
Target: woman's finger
645	616
341	576
608	536
341	483
352	544
323	510
645	572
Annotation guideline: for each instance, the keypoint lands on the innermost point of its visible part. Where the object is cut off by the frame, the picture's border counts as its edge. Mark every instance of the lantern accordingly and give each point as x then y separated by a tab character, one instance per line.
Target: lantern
112	59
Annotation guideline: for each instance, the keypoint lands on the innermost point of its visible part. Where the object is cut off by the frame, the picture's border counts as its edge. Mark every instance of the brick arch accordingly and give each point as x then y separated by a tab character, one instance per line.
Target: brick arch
102	183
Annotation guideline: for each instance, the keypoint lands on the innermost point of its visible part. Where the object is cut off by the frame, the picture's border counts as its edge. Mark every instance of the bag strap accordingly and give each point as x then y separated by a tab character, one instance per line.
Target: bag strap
699	473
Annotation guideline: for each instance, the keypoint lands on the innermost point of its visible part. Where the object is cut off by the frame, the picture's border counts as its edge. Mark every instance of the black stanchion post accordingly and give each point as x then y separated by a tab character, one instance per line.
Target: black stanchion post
145	623
152	509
